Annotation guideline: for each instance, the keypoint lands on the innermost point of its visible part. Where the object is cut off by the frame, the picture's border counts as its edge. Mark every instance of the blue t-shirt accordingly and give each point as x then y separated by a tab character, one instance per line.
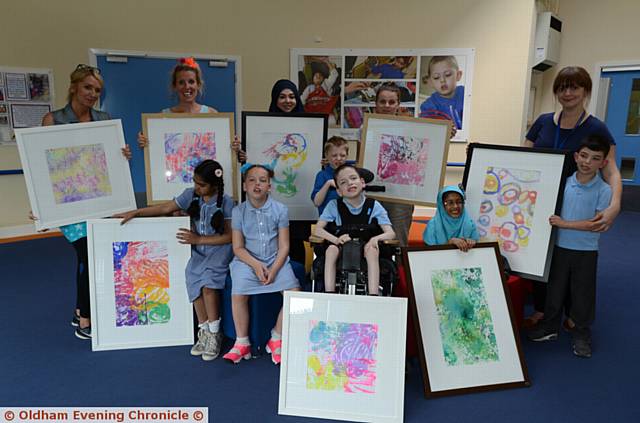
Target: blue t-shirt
331	214
582	202
322	177
437	106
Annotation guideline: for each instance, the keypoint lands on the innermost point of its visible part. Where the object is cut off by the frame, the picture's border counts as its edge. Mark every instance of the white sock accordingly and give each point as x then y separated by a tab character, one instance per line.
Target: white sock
202	325
275	335
214	327
243	341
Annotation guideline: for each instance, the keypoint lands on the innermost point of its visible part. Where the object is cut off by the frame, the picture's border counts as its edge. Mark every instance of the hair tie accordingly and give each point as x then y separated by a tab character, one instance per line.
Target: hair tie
189	61
218	173
246	166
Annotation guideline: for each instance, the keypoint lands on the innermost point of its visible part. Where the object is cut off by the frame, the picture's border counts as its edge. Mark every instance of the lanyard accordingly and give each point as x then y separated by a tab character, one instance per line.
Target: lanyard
559	144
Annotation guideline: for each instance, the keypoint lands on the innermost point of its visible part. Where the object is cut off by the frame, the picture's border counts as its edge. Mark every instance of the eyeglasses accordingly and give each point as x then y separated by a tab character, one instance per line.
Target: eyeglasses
82	66
450	203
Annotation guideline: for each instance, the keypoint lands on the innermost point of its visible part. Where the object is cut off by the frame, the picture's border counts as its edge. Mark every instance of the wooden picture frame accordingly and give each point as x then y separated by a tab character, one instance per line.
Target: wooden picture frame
177	143
408	157
453	292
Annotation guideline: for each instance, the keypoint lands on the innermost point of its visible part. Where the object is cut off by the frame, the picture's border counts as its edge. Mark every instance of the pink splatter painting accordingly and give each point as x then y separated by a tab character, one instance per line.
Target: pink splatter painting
183	151
141	277
342	357
402	160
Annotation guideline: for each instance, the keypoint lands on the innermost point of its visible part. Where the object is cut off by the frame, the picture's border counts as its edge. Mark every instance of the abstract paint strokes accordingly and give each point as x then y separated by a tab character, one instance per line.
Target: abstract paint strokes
402	159
342	356
287	152
78	173
466	327
183	151
507	206
141	277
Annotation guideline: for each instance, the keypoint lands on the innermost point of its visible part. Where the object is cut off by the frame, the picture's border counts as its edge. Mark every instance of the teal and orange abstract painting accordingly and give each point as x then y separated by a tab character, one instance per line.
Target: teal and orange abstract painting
342	356
141	277
466	326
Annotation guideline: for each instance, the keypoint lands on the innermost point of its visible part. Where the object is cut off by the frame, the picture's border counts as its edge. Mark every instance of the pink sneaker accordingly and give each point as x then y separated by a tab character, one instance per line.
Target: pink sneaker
273	348
237	353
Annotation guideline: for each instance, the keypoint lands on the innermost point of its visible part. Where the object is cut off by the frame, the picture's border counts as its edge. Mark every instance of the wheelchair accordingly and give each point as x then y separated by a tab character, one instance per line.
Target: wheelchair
351	267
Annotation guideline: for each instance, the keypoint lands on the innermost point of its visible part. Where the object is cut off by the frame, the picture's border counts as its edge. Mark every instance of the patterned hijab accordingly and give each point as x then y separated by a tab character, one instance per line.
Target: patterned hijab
442	227
278	87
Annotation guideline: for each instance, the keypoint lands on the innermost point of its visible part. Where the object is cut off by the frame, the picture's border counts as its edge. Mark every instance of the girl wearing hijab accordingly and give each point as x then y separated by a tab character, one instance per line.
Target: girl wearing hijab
451	223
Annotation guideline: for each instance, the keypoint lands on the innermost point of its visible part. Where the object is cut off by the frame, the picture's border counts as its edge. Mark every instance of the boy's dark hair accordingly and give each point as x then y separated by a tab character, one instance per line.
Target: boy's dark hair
595	142
210	172
335	141
363	173
246	169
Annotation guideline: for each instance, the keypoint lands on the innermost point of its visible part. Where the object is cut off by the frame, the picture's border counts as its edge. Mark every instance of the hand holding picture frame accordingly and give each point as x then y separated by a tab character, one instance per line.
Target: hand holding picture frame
75	172
137	283
292	144
343	357
178	142
510	193
464	323
408	157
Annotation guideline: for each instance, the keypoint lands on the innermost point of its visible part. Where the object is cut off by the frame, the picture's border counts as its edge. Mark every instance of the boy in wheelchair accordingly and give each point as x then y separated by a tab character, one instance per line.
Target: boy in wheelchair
353	225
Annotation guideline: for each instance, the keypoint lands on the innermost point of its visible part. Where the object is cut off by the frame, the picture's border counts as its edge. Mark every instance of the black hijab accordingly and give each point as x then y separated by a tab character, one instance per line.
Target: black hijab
278	87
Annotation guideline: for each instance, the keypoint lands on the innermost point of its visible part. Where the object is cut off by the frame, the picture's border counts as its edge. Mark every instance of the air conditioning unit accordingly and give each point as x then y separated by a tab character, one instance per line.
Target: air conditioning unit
547	45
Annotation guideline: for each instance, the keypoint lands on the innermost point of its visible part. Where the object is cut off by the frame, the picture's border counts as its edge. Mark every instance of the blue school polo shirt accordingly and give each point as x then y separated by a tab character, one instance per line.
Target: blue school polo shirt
322	177
582	202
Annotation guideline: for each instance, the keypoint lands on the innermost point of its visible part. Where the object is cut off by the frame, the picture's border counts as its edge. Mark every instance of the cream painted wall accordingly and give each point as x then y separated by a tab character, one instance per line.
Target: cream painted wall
593	31
59	34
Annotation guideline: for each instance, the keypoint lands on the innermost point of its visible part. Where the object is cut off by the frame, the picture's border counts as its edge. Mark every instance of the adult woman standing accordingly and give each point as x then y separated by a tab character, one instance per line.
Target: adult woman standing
84	91
565	130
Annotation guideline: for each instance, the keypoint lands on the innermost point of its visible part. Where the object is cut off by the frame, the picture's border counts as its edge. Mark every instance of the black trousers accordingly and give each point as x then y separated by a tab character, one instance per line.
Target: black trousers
82	277
573	274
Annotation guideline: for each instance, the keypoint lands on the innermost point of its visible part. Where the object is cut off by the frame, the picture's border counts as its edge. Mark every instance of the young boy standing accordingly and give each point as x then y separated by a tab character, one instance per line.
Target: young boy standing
336	150
574	263
351	214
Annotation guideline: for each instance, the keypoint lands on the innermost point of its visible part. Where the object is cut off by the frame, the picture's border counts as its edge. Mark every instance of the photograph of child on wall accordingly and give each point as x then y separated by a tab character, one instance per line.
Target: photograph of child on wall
441	94
319	85
380	67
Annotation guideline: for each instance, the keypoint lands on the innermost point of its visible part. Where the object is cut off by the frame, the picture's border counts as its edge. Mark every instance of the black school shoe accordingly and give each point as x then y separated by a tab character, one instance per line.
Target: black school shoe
75	320
540	333
83	333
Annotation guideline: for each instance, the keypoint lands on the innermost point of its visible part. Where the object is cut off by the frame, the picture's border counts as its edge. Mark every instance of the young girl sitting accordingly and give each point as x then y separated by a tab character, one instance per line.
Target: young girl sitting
451	223
260	230
210	238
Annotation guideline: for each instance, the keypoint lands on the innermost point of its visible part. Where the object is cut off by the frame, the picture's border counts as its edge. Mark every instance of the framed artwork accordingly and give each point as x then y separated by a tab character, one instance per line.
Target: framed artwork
464	324
434	83
292	145
137	283
511	192
343	357
178	142
408	157
75	172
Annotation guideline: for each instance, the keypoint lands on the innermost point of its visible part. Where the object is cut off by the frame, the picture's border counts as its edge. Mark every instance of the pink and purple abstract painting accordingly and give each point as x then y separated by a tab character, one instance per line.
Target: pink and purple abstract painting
402	159
78	173
183	151
141	278
342	356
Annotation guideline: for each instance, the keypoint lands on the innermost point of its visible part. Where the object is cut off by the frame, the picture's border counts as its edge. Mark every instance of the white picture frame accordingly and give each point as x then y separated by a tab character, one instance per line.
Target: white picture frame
292	144
174	151
408	157
376	327
55	158
142	257
454	292
520	225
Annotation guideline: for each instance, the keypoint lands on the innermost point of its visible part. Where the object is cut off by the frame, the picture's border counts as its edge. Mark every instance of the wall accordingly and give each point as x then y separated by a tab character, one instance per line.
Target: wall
58	35
593	31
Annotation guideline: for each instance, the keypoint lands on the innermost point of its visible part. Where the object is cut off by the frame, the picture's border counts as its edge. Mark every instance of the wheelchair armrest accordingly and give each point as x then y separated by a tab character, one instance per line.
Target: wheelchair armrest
391	242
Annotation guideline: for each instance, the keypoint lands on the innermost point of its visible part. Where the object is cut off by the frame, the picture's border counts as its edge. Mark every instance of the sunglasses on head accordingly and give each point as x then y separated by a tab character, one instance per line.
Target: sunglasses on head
93	69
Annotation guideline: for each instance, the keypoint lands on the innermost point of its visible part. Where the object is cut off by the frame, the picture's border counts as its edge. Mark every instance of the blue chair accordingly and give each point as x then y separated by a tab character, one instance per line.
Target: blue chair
263	312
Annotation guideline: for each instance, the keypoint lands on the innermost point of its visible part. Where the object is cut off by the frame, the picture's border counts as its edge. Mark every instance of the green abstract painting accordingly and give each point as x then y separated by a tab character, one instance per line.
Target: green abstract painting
465	321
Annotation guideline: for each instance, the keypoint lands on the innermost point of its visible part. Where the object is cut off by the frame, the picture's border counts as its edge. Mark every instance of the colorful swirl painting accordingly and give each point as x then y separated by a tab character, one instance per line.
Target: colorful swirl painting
466	326
287	152
183	151
141	277
342	356
507	207
402	160
78	173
